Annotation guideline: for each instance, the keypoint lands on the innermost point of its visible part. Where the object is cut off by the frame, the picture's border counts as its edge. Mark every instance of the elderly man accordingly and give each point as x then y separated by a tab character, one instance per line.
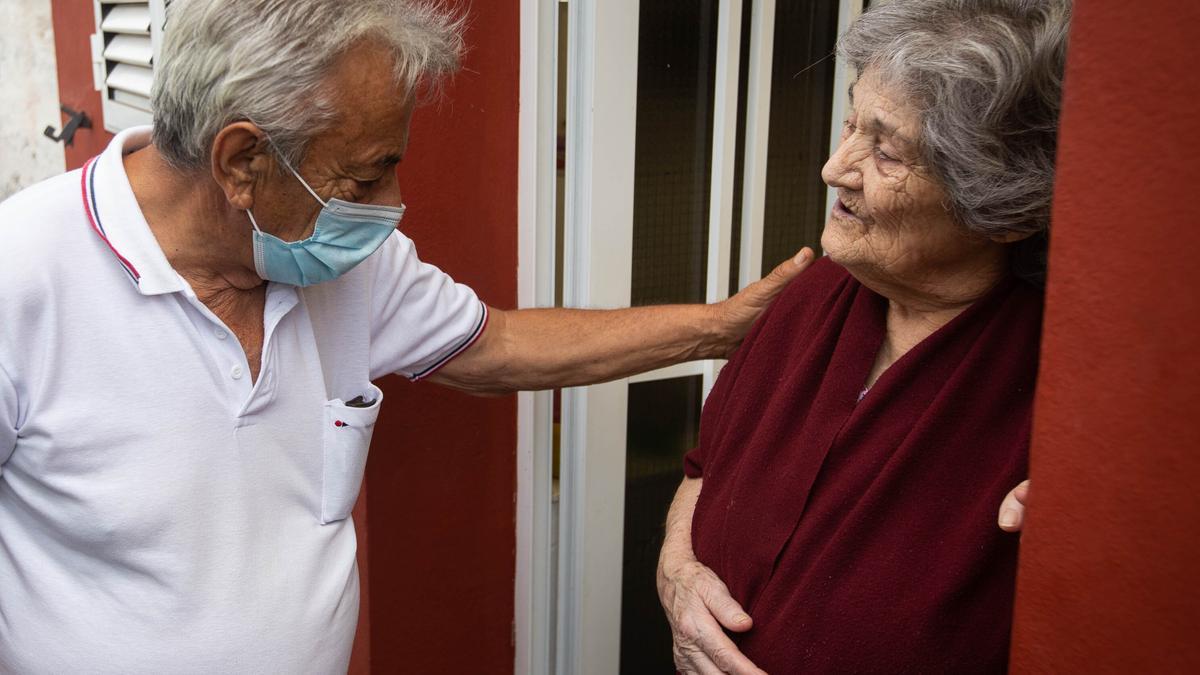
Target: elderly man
192	323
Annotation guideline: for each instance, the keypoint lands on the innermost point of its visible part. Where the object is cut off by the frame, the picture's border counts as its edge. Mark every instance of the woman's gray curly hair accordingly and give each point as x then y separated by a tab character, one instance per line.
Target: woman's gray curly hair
986	77
224	61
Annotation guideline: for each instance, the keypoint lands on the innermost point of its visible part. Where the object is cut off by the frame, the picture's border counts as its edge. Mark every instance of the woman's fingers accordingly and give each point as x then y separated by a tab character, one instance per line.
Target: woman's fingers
726	610
1021	492
717	605
1012	510
698	604
705	648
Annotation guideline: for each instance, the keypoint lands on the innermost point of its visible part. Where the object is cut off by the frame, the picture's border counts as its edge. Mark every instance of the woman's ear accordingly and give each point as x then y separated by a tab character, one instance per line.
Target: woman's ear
240	160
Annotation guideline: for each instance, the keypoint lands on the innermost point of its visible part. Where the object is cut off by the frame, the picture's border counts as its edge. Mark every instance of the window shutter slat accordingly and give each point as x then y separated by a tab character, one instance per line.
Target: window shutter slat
131	19
128	34
133	79
140	102
133	49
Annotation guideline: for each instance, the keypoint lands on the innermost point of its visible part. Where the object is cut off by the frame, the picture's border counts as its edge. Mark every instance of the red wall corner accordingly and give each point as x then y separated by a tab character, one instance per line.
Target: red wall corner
442	468
74	24
1111	552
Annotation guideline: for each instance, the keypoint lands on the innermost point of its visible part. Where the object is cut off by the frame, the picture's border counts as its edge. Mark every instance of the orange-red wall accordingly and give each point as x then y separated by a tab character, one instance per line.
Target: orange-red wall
441	477
438	505
1110	558
73	23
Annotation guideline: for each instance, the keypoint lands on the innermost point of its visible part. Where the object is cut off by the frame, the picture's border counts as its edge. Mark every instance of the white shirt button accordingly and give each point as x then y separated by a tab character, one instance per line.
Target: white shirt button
220	333
236	372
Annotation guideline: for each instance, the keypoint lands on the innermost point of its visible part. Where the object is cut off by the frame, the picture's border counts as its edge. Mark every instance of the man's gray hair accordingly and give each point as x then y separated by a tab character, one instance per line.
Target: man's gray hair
986	77
267	61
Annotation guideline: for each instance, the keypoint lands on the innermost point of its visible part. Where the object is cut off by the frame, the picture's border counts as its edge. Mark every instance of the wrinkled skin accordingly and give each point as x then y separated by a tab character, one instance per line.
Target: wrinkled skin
355	160
892	230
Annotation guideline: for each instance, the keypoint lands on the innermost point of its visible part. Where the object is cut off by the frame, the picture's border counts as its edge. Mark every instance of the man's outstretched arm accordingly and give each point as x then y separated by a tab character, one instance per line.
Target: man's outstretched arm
548	348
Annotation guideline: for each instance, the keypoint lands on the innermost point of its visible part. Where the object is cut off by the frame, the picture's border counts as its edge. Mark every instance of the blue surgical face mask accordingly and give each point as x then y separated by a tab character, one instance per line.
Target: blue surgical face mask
345	235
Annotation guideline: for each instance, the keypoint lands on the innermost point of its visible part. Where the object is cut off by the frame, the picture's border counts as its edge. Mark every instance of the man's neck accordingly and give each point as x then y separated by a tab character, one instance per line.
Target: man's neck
203	238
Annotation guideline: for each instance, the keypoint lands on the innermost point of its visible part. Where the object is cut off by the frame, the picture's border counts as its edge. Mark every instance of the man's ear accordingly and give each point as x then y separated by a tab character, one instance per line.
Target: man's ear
240	160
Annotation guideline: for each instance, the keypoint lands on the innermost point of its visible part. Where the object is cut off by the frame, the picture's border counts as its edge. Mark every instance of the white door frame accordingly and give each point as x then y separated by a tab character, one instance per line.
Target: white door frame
602	111
533	629
598	267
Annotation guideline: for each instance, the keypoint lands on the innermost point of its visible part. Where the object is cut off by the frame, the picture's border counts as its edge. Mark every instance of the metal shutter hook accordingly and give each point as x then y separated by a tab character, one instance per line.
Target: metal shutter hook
76	121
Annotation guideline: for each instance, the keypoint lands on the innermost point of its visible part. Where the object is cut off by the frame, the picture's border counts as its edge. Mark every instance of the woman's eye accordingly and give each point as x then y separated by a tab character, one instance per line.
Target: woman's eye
883	156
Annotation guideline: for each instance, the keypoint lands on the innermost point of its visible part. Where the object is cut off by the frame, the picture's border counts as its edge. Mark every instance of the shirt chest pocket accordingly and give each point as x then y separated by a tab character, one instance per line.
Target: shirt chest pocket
347	437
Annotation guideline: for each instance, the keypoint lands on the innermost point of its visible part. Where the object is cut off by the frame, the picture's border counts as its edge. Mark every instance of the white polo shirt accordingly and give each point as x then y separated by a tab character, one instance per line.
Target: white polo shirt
160	512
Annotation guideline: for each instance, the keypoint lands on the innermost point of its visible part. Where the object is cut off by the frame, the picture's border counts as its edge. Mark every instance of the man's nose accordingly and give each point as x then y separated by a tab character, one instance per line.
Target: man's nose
389	193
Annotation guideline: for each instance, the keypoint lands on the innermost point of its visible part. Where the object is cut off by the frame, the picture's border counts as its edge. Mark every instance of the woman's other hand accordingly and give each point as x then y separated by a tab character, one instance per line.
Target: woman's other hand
696	601
697	605
1012	510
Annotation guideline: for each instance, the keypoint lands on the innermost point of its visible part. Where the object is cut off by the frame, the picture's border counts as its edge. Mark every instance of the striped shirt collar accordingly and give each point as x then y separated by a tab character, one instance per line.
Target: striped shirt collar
115	217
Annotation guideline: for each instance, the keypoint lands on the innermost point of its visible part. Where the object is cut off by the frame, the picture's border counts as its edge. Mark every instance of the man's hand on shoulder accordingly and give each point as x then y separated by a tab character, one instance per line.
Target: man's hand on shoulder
737	314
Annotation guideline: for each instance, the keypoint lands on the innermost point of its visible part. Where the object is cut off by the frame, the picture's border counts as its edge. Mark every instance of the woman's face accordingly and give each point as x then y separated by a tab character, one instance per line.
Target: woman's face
889	226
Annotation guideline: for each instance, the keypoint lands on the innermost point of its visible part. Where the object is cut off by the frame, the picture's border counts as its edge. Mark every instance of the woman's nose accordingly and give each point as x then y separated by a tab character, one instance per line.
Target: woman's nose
840	170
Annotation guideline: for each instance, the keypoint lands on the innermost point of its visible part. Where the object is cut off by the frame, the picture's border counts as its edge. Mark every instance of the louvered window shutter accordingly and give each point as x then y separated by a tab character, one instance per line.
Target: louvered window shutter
124	50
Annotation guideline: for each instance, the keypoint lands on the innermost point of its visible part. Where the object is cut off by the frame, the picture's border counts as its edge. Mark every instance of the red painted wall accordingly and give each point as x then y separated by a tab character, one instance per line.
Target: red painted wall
442	469
1111	553
73	23
438	505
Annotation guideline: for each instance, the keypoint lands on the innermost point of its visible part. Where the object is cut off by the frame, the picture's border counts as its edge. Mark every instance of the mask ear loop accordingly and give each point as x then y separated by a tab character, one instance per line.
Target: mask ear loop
288	165
253	222
294	172
259	263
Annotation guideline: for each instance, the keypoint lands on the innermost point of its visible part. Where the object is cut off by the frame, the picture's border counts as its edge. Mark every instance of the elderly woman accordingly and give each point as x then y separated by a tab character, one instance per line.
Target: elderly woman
191	327
854	452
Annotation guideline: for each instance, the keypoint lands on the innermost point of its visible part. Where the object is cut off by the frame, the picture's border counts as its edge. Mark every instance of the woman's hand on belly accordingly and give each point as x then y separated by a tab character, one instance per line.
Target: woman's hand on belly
1012	509
697	602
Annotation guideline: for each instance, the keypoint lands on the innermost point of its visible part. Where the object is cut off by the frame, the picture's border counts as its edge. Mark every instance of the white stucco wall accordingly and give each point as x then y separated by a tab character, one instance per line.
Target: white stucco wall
28	96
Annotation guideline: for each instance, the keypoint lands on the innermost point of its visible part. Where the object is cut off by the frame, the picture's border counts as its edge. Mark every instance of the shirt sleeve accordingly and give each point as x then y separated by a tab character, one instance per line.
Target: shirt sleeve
8	418
420	318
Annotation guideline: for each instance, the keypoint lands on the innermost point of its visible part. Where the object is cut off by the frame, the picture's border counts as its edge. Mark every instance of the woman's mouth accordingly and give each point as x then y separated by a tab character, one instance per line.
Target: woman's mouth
840	211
